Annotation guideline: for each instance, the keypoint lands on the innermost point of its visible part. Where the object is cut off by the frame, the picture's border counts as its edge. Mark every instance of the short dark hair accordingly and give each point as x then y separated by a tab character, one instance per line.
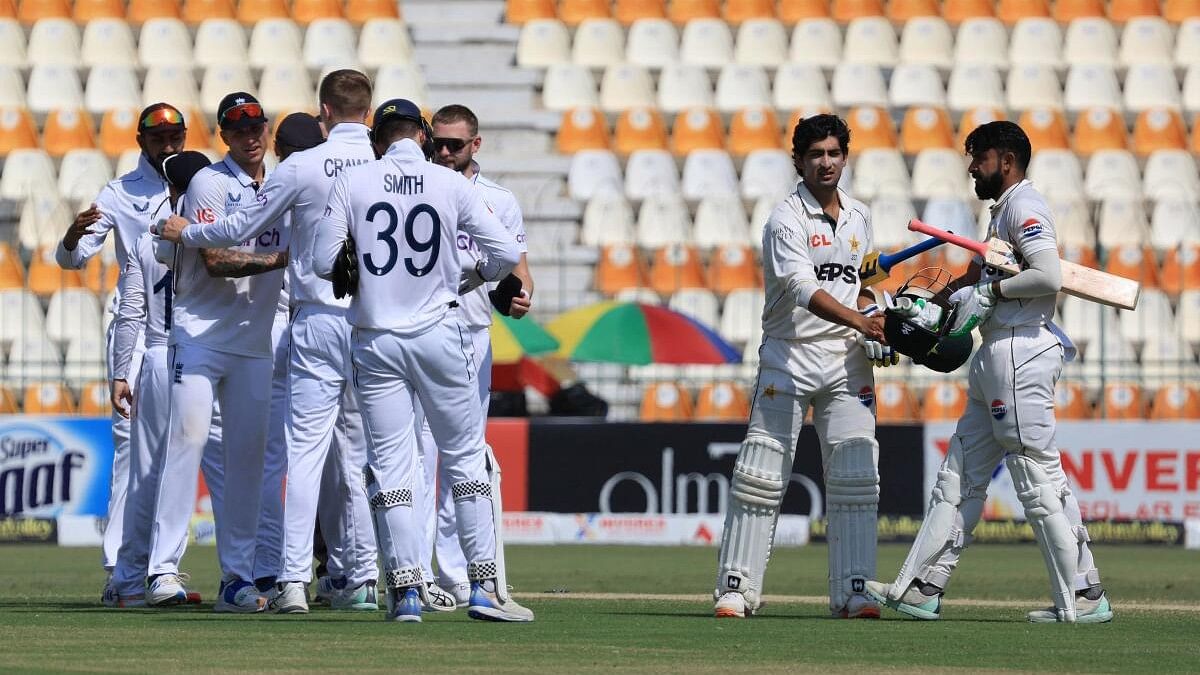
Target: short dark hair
346	92
457	113
817	128
1001	136
394	128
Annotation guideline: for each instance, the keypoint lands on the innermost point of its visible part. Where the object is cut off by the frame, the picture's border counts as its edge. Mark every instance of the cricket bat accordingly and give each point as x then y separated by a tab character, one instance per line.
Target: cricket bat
876	265
1078	280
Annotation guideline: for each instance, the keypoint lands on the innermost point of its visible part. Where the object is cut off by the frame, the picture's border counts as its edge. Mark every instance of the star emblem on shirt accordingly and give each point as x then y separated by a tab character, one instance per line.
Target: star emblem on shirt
769	392
854	244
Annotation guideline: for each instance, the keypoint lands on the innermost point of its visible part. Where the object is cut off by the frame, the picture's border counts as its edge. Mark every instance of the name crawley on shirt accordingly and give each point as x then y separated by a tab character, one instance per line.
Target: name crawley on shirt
334	165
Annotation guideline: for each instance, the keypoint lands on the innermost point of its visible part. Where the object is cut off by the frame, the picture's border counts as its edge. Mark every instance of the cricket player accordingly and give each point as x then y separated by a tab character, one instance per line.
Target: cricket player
1010	407
146	292
404	215
456	139
821	333
220	340
322	405
124	205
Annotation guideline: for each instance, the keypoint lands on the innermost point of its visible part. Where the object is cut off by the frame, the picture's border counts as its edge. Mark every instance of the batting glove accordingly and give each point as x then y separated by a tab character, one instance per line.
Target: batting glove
879	354
972	306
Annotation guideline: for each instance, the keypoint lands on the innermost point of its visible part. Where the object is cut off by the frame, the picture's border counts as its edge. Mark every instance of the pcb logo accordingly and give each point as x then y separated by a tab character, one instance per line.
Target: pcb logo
999	409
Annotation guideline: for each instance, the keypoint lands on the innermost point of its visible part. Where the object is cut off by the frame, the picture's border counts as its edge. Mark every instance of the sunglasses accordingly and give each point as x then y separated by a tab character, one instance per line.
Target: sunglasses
454	145
237	112
161	117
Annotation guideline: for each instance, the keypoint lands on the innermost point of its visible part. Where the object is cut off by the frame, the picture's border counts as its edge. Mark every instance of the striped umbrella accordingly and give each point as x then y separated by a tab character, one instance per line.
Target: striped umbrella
513	339
637	334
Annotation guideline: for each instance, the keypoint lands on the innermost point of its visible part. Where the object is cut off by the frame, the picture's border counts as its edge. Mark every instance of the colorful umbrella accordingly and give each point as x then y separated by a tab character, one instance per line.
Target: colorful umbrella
633	333
513	339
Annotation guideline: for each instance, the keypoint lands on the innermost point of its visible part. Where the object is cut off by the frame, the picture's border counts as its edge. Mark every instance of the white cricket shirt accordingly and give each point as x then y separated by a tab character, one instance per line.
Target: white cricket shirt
475	307
1021	218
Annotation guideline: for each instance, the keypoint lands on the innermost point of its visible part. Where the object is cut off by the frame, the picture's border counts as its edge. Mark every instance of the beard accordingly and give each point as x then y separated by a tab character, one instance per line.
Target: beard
456	162
988	186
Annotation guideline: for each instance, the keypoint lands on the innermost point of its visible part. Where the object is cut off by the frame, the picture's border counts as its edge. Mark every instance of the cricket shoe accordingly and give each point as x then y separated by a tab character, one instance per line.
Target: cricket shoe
913	603
858	607
108	597
1086	611
114	600
461	592
239	597
485	605
732	605
363	598
440	600
405	605
166	590
289	597
325	590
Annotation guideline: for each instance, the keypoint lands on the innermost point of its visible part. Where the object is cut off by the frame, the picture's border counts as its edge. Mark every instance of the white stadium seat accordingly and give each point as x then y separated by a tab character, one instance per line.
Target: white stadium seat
761	42
382	41
650	172
720	219
1090	40
165	42
858	84
817	42
26	172
20	316
981	41
1072	221
706	42
593	172
927	40
699	303
112	87
682	86
972	86
402	80
608	219
33	359
1122	223
1033	86
879	172
1171	174
889	221
1036	40
12	43
54	41
275	41
916	85
73	314
1113	173
1151	85
85	359
288	88
108	41
1191	90
1187	43
599	43
741	314
662	220
542	43
220	80
1147	39
171	83
1174	222
653	43
1091	86
567	86
220	41
626	86
740	86
940	173
951	214
708	172
1057	172
82	173
53	87
329	41
800	86
767	172
128	160
42	216
870	40
12	87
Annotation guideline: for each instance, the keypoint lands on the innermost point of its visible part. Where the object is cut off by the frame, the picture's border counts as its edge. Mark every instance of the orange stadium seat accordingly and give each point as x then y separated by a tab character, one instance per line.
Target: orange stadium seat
628	11
1194	145
871	128
196	11
17	130
1124	10
1123	401
1158	129
737	11
95	399
8	402
1066	11
683	11
100	276
252	11
30	11
198	134
1176	402
697	129
900	11
1080	255
640	129
845	11
924	128
582	129
666	402
676	266
1046	128
140	11
305	12
12	273
1071	403
894	402
732	268
751	129
1134	262
957	11
87	10
1181	269
48	399
45	276
68	130
572	12
1012	11
795	118
794	11
620	267
1176	11
361	11
118	131
944	401
7	9
972	119
1099	129
899	274
722	402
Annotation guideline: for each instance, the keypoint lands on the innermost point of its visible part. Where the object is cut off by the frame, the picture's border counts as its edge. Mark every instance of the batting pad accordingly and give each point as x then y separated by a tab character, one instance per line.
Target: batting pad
760	478
394	521
1055	536
943	527
476	521
852	505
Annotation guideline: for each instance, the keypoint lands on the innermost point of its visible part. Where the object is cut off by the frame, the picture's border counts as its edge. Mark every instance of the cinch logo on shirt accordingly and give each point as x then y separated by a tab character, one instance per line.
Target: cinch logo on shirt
836	271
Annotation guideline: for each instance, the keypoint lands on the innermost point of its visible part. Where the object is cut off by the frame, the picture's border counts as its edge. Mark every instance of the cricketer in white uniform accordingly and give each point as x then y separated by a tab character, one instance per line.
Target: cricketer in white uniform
404	214
322	405
221	349
1010	405
455	141
124	205
810	356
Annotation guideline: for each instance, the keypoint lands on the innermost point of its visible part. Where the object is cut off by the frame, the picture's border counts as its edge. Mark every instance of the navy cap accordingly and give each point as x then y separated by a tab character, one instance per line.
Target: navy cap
240	110
180	167
396	107
300	130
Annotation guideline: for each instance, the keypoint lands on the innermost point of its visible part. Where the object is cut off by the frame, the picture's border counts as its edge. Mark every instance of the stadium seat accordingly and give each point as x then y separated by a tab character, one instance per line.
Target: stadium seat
32	11
800	85
329	42
737	12
720	220
871	40
889	219
82	174
1122	223
73	314
1150	85
974	86
608	219
108	41
952	214
1091	86
175	84
1187	43
1067	11
1072	220
91	10
697	129
1138	263
740	86
903	11
8	401
708	172
767	173
981	41
118	131
858	84
916	85
1036	40
817	42
761	42
1013	11
732	268
94	399
1176	402
1033	86
880	171
221	41
100	276
398	79
685	11
165	42
21	316
619	267
960	11
792	12
305	12
568	86
251	12
666	402
924	128
382	41
52	87
741	315
17	130
45	276
196	12
662	220
26	172
12	44
674	267
706	42
944	401
927	40
221	79
722	402
582	129
629	12
54	42
1113	174
1046	128
1122	401
42	218
275	41
49	398
939	173
1191	89
520	12
640	128
85	359
599	43
1188	315
652	43
1181	269
543	43
1147	39
141	11
894	402
12	272
698	303
1057	172
644	296
575	12
683	86
1177	11
1121	11
592	172
1071	402
972	118
753	128
67	130
111	87
1090	41
649	172
846	11
1171	174
1098	129
1174	223
625	86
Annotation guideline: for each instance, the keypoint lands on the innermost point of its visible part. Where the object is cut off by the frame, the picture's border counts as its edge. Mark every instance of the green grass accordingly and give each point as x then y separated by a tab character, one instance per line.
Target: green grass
51	620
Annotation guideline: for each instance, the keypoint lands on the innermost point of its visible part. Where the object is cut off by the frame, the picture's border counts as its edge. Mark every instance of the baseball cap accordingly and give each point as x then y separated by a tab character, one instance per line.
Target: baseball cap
180	167
160	116
240	110
300	130
396	107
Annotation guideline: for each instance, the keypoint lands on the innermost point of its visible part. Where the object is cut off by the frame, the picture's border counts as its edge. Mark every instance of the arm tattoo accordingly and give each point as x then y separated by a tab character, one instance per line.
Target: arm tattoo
225	262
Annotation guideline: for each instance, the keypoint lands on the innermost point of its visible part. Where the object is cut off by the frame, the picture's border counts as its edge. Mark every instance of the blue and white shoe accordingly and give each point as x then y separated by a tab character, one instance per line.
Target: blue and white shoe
405	605
913	603
239	597
166	590
485	605
1086	611
360	599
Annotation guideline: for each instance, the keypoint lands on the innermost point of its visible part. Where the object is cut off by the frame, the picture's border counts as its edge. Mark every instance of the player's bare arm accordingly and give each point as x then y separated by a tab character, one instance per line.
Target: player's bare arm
80	226
172	228
224	262
521	304
827	307
122	397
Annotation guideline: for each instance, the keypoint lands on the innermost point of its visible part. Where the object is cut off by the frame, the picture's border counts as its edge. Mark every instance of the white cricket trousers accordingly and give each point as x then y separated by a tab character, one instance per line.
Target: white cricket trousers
324	413
114	522
269	548
150	421
436	509
439	368
242	385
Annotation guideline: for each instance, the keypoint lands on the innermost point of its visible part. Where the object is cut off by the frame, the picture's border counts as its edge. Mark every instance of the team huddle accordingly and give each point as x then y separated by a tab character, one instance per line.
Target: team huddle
298	336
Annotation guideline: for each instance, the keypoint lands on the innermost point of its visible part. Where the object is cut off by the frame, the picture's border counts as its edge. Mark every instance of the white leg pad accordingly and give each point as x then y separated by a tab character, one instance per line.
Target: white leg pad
760	478
852	505
392	516
1056	537
493	469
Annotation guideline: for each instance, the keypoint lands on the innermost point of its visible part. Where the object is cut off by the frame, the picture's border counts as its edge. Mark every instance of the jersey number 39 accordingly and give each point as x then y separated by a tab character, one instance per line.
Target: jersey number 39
432	245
